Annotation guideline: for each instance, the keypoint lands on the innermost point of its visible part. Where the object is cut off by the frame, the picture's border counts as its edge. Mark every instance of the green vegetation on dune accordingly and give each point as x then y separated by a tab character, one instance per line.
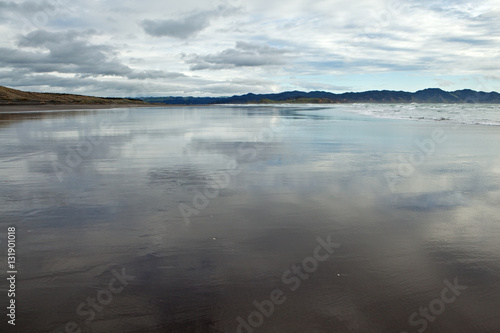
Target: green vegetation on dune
9	96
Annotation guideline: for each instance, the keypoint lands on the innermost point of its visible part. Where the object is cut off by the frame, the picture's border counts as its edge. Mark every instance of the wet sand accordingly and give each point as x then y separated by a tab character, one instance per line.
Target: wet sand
251	219
63	107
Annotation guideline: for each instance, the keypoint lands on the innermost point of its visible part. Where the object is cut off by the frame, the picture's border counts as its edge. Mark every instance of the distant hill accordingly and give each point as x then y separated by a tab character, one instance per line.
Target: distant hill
10	96
432	95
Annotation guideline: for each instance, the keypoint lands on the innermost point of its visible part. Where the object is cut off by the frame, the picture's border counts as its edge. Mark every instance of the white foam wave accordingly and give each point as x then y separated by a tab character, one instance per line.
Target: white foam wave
473	114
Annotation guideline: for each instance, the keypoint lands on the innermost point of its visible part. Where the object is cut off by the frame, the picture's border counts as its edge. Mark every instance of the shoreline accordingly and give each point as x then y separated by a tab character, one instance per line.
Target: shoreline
5	109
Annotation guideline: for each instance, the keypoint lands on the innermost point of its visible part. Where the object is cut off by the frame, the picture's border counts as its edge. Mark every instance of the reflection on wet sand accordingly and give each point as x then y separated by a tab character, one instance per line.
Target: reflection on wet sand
321	172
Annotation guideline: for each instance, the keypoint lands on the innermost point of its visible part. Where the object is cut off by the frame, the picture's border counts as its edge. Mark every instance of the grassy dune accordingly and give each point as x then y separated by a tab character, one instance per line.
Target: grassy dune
10	96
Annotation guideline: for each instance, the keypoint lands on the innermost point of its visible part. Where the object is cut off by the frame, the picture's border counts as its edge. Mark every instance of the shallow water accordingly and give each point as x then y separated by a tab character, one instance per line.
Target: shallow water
207	210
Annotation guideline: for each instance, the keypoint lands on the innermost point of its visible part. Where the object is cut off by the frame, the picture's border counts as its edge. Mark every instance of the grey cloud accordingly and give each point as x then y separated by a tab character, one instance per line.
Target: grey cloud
70	52
8	5
243	55
43	38
20	79
88	86
30	9
154	74
184	27
39	82
28	6
63	60
471	41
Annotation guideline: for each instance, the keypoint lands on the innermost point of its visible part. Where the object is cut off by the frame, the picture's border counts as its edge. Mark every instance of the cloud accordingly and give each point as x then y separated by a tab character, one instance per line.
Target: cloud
182	28
42	38
243	55
8	5
461	9
326	45
63	52
186	26
444	83
30	15
154	74
318	86
469	41
28	7
71	52
20	78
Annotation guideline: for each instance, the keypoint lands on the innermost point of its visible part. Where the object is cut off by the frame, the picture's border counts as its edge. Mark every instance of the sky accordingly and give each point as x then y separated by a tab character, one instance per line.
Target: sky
222	48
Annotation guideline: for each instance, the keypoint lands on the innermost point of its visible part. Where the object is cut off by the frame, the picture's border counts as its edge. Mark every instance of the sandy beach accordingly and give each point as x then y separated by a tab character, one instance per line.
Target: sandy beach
341	222
63	107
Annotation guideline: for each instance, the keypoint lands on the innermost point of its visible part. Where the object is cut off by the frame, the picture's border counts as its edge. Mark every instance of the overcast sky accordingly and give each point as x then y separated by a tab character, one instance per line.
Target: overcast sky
221	48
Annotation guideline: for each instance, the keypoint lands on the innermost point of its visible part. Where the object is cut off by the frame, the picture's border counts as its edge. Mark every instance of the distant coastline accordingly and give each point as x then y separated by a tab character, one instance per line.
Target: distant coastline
431	95
17	100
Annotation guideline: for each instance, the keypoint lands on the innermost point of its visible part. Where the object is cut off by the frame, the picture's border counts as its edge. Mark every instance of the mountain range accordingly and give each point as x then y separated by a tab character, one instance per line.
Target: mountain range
9	96
431	95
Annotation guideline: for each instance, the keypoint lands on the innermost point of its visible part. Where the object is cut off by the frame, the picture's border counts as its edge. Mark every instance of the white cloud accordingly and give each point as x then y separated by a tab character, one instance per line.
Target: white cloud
242	55
197	47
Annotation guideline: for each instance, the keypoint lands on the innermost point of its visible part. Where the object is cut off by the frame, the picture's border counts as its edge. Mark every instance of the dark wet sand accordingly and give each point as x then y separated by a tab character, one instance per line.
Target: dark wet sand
62	107
261	185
